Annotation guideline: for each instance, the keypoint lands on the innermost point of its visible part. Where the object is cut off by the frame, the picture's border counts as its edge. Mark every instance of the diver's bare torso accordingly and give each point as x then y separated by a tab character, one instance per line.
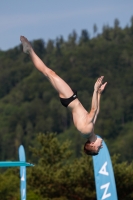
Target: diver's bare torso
81	118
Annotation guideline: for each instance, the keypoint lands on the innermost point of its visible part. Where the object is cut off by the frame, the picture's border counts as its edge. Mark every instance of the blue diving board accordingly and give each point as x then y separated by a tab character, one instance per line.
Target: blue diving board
14	164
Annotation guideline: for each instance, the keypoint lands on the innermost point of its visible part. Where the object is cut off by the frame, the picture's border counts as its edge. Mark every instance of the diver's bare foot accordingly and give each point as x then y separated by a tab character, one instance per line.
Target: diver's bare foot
26	45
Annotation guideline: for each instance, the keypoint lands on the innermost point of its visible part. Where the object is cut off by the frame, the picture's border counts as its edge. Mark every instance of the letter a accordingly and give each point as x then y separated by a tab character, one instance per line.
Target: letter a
103	170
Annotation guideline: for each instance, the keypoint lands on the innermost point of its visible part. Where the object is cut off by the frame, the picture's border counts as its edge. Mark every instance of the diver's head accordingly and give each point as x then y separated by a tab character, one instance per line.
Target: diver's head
92	148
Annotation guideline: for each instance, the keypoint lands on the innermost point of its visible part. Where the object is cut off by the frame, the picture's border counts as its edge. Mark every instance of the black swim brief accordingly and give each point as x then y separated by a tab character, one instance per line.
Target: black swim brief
66	102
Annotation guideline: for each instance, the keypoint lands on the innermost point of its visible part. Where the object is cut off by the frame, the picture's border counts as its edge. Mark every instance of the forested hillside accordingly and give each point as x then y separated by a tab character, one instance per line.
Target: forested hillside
29	105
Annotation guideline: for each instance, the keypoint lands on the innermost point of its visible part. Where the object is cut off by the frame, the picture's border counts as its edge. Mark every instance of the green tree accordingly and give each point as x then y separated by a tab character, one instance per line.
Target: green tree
84	36
39	47
56	176
95	29
9	185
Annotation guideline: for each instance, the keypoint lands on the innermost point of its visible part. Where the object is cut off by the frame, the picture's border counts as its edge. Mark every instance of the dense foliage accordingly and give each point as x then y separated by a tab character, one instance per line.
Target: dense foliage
56	176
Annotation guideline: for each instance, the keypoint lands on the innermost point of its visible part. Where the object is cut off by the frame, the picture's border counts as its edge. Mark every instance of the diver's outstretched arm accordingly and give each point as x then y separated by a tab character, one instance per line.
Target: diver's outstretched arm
99	97
94	104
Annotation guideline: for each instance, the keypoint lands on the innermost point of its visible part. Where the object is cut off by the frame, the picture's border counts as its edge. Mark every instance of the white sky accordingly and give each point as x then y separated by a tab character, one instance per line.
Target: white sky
49	19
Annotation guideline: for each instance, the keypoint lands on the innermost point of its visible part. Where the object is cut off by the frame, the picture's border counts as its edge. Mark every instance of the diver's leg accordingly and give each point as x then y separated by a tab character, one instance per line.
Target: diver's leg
58	83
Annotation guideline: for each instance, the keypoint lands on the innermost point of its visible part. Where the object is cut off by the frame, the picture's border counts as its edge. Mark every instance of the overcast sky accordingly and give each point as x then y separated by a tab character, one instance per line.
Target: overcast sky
49	19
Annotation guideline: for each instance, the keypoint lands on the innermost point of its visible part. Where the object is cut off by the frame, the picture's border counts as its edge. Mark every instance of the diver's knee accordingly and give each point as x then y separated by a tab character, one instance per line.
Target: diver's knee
50	72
